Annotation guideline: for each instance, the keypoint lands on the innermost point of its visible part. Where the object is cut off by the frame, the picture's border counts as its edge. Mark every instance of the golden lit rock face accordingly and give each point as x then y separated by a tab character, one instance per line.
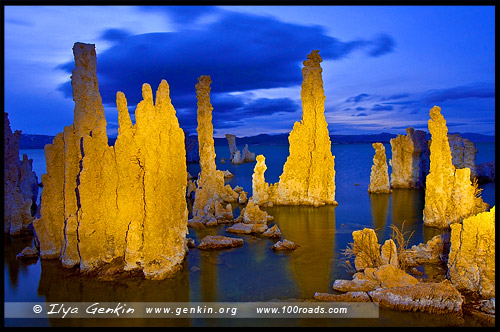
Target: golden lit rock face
210	183
125	202
366	248
471	262
262	194
449	195
308	176
379	177
410	159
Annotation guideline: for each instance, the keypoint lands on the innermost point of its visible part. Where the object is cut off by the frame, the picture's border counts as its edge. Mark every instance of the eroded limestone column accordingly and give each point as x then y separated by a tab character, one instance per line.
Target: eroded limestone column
308	176
449	194
379	177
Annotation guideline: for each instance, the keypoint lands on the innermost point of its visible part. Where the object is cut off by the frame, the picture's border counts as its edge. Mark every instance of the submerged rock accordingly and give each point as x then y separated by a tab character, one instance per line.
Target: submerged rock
410	159
449	194
227	174
219	242
379	177
126	202
284	245
308	176
28	252
471	262
190	243
242	228
273	232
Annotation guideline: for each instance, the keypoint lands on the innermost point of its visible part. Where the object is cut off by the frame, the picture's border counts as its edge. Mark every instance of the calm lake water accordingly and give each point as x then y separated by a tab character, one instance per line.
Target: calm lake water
252	272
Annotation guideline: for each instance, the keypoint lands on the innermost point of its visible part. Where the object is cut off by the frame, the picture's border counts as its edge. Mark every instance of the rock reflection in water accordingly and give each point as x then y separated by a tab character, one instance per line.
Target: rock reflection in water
379	204
13	246
314	230
58	284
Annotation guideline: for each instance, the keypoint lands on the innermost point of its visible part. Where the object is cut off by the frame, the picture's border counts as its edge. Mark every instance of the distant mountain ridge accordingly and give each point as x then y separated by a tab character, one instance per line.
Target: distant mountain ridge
29	141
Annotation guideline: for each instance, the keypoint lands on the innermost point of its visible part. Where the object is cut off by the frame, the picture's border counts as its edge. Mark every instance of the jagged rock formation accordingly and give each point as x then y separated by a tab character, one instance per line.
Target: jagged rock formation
430	252
252	214
389	253
449	195
366	249
383	276
463	153
380	279
210	183
251	220
126	202
192	149
263	193
308	176
20	184
486	172
243	198
379	177
410	159
471	262
239	157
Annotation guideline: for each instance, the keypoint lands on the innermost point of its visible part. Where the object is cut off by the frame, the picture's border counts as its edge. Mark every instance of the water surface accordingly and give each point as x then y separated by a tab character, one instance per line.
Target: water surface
252	272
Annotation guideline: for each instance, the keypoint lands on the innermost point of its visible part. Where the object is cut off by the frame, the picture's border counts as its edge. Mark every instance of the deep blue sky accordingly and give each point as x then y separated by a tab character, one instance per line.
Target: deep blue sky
384	67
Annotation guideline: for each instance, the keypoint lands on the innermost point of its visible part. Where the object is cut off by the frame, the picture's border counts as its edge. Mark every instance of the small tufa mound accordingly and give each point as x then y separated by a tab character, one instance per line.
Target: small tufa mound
284	245
217	242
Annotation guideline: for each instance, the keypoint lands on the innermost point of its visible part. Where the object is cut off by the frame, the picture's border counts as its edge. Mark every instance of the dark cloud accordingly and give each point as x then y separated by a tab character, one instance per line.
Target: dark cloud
19	22
231	111
240	52
361	114
381	45
358	98
182	14
378	107
360	108
476	90
397	96
114	35
266	106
